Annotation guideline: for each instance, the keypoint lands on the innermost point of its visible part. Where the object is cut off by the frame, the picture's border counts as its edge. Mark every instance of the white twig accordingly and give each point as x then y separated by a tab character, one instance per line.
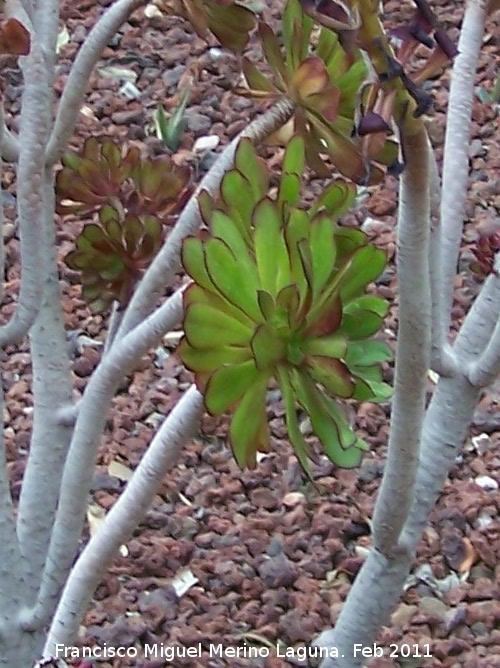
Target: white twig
443	359
92	411
413	349
485	369
30	196
10	555
46	25
123	518
76	85
10	146
113	326
456	160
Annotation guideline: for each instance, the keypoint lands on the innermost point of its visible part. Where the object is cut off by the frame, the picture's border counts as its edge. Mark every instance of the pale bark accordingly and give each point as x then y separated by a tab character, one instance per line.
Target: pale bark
10	145
52	388
443	360
378	586
76	85
35	118
413	348
46	24
77	475
11	591
2	221
485	369
120	522
456	157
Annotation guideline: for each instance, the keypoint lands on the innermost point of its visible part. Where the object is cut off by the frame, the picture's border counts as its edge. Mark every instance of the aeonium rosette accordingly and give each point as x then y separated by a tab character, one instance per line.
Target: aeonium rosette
279	293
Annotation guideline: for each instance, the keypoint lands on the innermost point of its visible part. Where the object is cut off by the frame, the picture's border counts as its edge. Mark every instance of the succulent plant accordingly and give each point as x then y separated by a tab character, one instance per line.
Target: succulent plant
358	24
105	174
325	82
279	293
112	254
228	20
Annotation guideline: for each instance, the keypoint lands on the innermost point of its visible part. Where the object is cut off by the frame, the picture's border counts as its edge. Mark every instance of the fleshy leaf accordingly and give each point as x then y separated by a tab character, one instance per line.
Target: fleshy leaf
249	431
228	384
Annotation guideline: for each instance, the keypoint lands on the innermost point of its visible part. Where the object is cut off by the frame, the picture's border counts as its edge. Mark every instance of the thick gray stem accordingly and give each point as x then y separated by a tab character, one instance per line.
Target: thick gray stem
78	470
35	118
456	157
52	388
123	518
76	85
413	349
379	584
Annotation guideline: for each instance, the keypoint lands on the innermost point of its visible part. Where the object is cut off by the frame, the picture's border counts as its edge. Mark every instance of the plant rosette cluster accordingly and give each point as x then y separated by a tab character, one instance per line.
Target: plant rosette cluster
326	83
112	254
133	198
102	173
279	295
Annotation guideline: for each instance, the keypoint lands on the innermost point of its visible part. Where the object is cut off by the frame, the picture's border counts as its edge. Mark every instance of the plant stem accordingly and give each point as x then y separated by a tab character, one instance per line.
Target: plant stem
123	518
456	157
413	349
76	85
77	475
35	118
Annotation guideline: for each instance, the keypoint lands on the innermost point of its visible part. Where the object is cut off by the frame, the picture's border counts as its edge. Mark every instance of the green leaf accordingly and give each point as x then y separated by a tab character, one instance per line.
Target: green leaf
238	194
350	82
255	79
228	384
296	28
358	324
161	124
336	199
267	305
272	50
294	158
341	150
296	230
323	252
327	44
289	190
249	431
270	249
229	231
207	327
366	265
340	443
369	390
267	348
348	240
207	205
210	359
333	374
193	261
297	440
226	273
248	163
367	353
288	301
334	345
